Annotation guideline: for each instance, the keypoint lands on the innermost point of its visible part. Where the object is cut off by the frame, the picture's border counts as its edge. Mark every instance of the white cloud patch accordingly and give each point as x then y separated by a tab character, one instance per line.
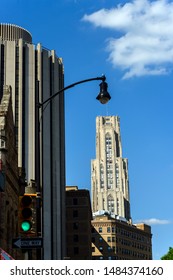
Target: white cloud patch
154	221
145	46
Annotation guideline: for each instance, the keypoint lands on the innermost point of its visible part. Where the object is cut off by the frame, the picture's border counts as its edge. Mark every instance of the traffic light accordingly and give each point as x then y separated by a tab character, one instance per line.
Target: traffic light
27	214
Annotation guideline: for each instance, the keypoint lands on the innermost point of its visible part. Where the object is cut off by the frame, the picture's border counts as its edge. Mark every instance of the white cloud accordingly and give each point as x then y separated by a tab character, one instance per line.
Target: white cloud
154	221
145	46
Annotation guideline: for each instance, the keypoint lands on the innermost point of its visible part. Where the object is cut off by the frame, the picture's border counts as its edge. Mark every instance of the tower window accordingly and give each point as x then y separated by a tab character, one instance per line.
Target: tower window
100	229
108	229
108	239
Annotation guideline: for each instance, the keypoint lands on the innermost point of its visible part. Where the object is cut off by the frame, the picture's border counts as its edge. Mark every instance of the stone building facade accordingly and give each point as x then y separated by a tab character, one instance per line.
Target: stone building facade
116	239
109	171
9	180
35	73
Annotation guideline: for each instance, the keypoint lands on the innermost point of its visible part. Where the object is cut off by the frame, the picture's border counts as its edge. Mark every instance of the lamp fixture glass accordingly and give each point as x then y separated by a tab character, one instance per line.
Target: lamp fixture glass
104	95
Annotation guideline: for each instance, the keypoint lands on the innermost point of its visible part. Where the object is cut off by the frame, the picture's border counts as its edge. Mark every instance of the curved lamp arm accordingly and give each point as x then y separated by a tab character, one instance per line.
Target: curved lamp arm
103	96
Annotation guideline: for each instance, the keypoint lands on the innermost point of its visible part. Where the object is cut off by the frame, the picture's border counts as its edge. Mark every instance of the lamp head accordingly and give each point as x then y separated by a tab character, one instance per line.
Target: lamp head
104	95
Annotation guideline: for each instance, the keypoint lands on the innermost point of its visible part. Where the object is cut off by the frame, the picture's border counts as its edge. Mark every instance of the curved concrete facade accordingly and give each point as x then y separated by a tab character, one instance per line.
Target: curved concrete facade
24	66
11	32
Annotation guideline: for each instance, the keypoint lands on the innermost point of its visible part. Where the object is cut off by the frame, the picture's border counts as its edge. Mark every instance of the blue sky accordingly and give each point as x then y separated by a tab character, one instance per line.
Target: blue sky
131	42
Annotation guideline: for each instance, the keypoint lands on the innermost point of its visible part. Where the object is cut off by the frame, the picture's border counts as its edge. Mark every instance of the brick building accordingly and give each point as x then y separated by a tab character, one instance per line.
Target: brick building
78	224
9	182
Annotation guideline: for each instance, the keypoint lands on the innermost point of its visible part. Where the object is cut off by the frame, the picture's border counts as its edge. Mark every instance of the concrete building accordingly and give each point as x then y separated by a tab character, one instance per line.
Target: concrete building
27	68
78	223
9	180
109	171
116	239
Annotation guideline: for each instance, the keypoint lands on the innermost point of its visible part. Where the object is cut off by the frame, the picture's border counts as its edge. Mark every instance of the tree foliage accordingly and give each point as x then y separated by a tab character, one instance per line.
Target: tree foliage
169	255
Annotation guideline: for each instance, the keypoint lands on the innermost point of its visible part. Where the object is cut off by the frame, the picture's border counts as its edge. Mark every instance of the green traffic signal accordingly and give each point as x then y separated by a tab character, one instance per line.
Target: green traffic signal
27	214
26	226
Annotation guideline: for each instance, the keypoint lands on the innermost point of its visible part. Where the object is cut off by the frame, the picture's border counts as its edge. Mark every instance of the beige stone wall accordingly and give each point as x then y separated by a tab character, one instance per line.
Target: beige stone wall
115	239
109	171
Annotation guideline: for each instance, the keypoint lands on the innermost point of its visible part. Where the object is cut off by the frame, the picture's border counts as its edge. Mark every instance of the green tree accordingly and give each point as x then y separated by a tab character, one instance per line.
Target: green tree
169	255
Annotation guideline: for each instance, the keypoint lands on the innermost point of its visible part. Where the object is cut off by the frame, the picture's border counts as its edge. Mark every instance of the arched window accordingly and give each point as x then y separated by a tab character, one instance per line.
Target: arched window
109	166
101	176
117	175
103	204
108	147
118	206
110	203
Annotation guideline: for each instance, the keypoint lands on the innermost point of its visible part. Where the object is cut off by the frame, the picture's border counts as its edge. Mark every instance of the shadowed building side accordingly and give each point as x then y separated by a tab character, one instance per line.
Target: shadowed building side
9	180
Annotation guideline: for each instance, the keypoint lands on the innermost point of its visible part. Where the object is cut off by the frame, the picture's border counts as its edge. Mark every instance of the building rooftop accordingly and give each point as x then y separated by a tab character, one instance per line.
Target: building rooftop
12	32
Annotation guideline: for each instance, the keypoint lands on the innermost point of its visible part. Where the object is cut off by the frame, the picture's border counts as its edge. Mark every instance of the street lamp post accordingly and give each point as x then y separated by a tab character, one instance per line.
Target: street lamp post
103	97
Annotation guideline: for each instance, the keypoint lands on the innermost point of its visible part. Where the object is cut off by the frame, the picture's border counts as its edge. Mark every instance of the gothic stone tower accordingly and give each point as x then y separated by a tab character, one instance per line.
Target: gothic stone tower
109	171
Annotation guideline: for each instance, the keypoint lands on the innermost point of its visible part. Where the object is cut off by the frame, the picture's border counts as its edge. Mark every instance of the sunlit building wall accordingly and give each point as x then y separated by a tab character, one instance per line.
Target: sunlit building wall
24	66
109	171
116	239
